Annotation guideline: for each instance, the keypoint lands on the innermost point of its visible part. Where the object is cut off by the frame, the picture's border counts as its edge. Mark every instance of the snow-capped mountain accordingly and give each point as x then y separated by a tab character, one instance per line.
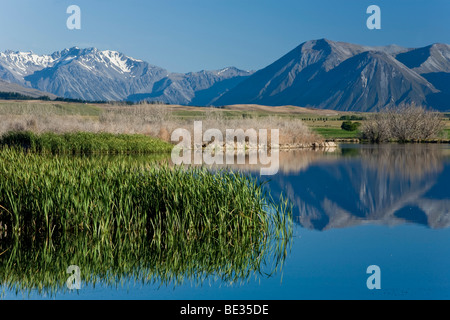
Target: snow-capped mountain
91	74
318	73
14	65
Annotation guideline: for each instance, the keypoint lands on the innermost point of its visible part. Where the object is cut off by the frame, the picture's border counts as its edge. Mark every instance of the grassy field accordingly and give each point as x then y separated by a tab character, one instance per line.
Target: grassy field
48	107
157	121
254	111
160	120
446	133
335	133
326	123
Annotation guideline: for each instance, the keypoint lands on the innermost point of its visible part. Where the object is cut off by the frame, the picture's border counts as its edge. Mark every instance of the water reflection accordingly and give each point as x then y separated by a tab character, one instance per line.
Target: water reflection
353	185
389	185
31	264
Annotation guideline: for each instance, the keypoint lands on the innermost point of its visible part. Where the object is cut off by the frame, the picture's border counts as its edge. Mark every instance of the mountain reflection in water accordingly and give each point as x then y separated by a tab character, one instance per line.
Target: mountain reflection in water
365	184
389	185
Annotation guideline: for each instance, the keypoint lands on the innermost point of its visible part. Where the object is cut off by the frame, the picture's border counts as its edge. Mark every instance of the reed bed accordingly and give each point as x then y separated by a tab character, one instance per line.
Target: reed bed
125	218
84	143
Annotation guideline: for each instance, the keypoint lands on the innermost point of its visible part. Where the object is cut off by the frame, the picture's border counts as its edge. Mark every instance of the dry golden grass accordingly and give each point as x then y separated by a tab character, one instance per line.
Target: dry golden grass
149	119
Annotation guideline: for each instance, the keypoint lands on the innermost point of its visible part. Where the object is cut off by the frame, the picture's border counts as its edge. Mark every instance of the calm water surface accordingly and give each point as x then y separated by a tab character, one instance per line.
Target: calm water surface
355	206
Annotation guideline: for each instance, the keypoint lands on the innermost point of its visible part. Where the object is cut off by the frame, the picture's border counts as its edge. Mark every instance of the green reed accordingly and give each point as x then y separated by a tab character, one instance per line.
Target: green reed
84	143
125	218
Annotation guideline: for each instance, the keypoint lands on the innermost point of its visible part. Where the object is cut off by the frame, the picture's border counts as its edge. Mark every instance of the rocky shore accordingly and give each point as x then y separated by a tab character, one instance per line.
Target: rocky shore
249	146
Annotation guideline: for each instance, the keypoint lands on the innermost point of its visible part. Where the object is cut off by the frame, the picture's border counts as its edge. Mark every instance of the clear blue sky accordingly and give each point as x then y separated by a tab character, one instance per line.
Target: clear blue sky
191	35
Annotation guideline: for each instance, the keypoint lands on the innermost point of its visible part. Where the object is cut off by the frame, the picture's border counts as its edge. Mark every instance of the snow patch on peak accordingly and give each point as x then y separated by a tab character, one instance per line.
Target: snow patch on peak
117	61
25	63
223	70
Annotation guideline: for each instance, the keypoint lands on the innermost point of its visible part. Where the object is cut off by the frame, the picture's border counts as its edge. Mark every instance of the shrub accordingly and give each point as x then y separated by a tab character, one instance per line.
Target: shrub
404	123
350	126
352	117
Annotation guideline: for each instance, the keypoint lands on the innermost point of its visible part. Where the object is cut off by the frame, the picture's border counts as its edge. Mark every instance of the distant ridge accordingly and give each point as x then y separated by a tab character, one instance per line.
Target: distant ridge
12	88
342	76
91	74
318	73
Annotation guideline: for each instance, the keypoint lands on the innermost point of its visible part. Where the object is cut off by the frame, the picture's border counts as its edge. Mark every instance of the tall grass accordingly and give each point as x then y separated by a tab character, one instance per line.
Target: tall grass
124	217
149	119
292	131
84	143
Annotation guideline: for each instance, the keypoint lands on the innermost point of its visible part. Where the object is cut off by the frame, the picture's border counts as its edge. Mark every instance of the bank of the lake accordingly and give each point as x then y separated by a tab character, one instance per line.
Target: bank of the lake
84	143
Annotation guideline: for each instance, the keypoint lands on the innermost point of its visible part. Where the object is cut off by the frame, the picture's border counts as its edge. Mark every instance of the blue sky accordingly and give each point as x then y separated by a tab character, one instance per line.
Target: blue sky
191	35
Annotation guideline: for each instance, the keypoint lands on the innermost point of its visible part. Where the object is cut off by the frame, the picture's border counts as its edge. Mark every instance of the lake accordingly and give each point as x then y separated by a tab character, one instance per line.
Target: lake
353	207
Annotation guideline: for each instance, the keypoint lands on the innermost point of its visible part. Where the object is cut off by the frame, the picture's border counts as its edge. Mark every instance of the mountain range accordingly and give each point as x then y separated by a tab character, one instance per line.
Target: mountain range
342	76
318	73
91	74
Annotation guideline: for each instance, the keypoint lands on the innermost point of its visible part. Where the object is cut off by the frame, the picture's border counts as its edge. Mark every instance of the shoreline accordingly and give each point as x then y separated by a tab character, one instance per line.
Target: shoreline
435	141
